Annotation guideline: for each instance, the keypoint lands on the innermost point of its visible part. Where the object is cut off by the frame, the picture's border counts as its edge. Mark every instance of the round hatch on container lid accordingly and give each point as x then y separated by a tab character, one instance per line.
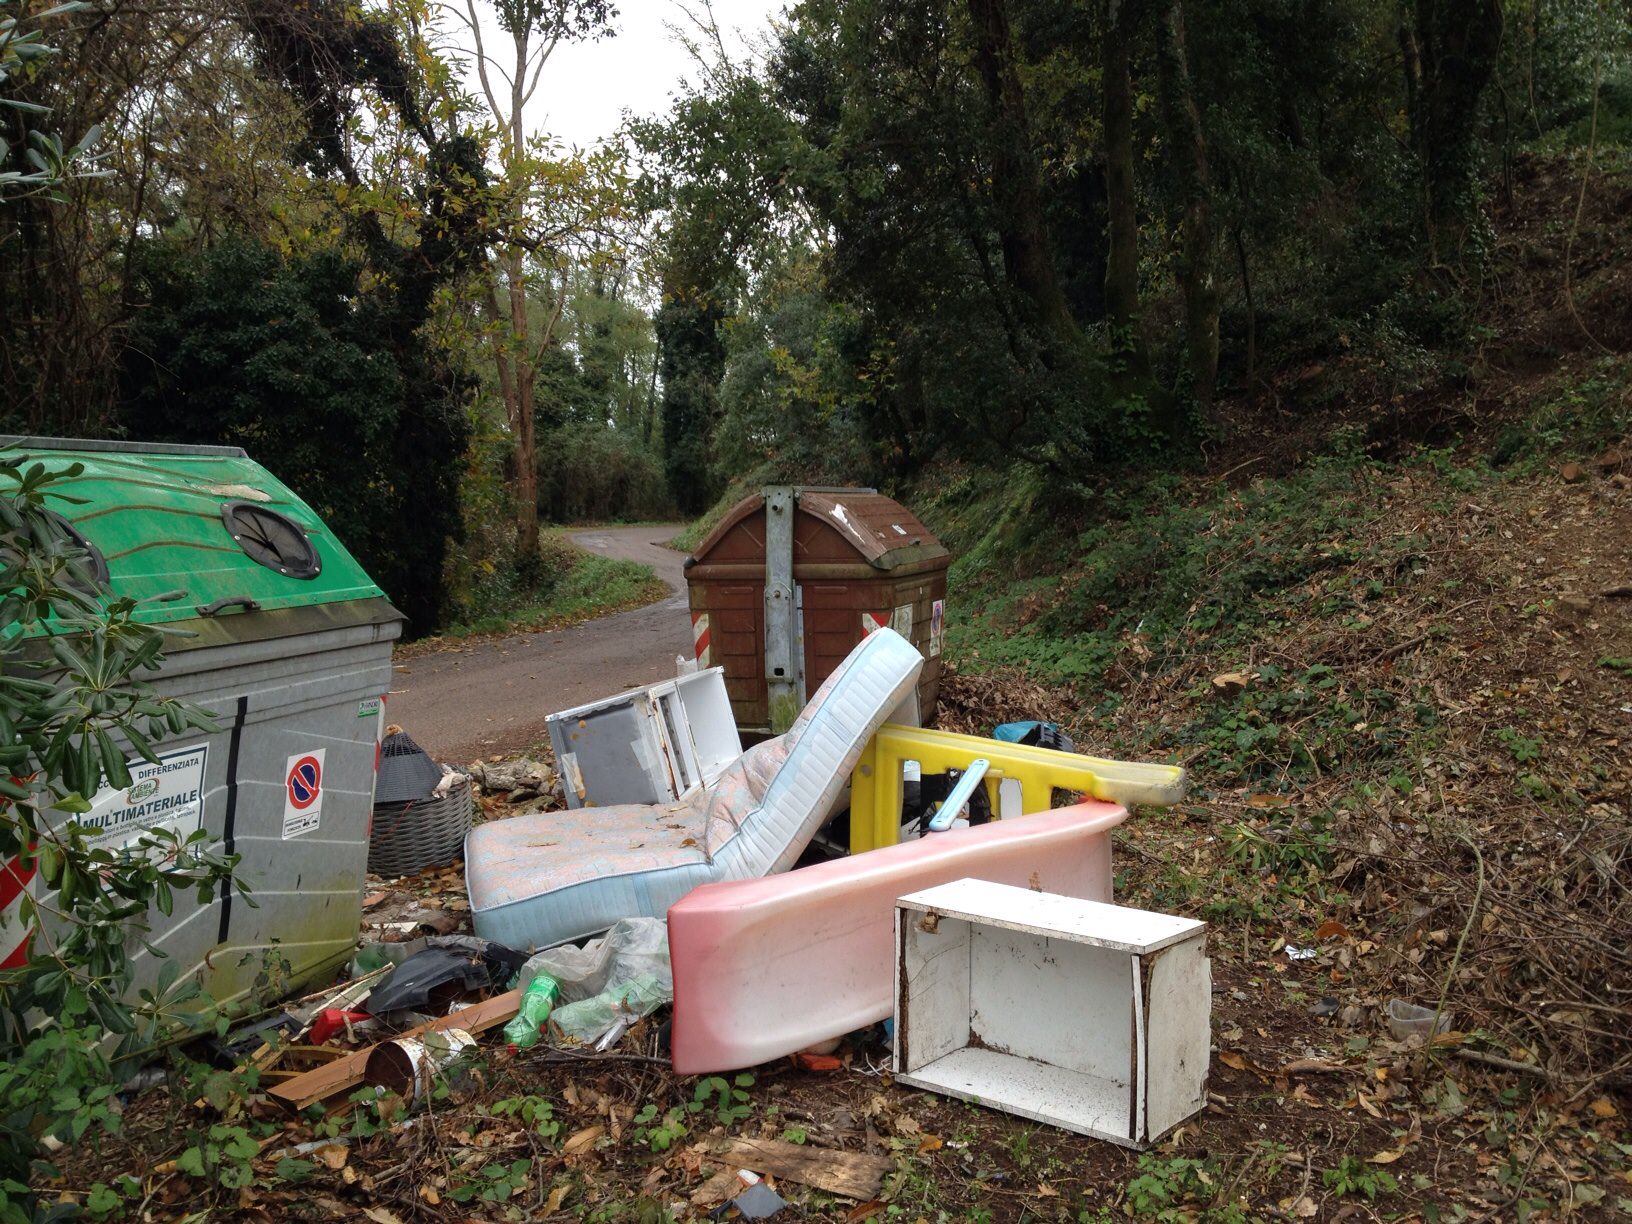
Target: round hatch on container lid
272	539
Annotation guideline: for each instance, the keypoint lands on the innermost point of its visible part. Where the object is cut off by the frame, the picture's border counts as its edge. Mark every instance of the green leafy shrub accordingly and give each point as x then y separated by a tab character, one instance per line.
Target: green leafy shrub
659	1132
534	1111
570	584
1353	1176
71	710
726	1101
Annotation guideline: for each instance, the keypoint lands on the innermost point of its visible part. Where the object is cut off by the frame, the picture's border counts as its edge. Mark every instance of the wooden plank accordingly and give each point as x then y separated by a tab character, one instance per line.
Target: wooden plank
344	1074
852	1175
1097	923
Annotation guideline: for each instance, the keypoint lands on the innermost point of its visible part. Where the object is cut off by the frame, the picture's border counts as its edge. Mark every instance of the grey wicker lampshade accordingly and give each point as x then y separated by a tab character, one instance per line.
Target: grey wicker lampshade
408	837
406	773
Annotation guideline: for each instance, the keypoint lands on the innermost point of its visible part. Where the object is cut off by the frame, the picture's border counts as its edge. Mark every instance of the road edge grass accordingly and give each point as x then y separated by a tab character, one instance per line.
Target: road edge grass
591	587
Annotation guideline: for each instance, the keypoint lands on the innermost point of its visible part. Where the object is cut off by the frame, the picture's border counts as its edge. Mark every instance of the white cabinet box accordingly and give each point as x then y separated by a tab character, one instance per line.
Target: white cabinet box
1087	1016
647	745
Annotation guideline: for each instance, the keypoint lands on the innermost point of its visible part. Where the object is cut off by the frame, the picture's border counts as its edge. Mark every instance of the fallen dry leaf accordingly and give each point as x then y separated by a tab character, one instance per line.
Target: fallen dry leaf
583	1140
906	1124
1314	1066
557	1197
382	1215
430	1194
863	1211
1331	929
1603	1107
1385	1157
929	1143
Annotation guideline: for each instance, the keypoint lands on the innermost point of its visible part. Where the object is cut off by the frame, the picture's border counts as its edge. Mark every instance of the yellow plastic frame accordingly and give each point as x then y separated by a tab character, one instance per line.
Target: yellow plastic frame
875	786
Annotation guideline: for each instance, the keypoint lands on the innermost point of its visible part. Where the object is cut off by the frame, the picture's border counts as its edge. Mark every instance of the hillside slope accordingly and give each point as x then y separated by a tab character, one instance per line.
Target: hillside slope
1417	783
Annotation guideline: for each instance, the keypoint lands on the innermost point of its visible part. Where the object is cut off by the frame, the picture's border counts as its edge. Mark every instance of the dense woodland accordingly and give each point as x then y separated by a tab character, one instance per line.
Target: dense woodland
1012	230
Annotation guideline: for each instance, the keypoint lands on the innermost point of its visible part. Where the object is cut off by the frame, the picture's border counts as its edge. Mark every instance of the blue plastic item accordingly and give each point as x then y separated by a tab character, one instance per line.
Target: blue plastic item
1037	734
1011	733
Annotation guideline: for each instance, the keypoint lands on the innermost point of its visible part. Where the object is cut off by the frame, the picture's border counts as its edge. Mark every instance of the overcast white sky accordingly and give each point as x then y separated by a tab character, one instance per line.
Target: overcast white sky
587	86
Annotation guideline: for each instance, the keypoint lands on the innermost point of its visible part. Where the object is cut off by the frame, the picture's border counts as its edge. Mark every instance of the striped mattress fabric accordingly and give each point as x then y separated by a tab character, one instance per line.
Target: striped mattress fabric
550	877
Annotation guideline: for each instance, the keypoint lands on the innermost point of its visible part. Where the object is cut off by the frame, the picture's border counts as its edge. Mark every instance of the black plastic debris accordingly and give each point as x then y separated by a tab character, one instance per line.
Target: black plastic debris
433	980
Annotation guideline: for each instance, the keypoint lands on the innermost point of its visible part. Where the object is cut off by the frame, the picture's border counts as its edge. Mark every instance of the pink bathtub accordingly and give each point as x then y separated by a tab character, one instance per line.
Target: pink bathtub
767	967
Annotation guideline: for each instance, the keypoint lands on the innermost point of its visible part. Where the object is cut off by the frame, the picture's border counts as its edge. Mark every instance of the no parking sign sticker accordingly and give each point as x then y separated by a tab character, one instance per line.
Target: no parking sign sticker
303	793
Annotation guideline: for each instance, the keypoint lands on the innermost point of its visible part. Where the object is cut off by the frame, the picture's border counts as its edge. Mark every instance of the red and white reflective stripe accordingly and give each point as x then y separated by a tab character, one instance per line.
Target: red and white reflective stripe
379	735
871	622
15	879
700	639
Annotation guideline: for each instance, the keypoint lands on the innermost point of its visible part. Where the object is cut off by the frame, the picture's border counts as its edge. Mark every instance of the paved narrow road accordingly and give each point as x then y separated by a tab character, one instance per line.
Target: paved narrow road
474	699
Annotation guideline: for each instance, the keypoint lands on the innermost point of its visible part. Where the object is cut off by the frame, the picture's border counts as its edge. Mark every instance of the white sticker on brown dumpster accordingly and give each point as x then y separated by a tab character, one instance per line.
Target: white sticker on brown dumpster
303	793
901	622
937	626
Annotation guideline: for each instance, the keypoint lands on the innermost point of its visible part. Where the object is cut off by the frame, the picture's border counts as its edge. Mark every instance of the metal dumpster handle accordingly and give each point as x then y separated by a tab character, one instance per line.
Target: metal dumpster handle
228	601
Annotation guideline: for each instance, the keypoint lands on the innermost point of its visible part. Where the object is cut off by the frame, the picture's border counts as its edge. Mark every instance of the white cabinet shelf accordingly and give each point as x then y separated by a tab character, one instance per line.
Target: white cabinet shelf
1087	1016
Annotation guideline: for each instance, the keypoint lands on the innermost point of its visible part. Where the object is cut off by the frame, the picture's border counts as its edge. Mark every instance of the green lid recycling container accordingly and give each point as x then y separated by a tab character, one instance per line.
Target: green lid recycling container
288	642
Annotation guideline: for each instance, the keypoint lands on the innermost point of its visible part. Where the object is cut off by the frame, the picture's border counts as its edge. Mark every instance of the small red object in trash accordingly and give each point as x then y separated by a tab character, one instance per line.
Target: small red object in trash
807	1061
332	1020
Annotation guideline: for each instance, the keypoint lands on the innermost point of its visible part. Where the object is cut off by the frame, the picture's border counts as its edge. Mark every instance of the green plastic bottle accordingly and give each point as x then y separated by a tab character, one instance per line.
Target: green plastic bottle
536	1003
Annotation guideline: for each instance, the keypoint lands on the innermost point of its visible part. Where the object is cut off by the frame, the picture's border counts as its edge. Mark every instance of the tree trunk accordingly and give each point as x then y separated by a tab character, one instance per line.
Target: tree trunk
1197	240
1252	310
520	410
1028	257
1122	259
649	428
523	425
1456	43
501	356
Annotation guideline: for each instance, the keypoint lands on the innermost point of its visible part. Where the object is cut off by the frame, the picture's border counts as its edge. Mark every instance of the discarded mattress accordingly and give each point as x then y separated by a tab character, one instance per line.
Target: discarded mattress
546	878
765	968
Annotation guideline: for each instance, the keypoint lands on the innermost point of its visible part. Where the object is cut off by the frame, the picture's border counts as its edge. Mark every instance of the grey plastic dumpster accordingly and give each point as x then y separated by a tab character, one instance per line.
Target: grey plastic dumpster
288	642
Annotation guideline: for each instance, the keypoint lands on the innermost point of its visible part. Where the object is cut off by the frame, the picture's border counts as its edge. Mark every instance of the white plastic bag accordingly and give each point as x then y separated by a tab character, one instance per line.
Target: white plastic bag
600	1021
633	948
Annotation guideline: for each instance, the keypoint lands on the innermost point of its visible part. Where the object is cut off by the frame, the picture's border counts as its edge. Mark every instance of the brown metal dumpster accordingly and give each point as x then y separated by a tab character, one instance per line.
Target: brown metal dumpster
842	562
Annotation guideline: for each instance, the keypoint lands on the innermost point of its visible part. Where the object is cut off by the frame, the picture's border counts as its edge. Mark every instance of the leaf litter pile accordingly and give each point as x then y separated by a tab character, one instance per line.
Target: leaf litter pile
1418	795
1419	789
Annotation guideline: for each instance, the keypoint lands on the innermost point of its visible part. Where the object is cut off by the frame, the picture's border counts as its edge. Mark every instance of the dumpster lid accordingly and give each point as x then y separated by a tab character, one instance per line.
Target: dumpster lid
206	526
880	528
